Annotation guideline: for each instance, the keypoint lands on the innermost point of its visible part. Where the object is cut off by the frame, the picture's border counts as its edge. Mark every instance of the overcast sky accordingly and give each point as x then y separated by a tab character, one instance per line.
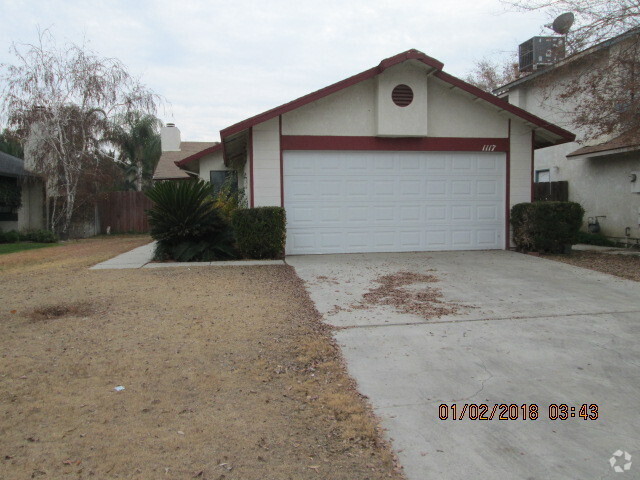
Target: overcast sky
219	62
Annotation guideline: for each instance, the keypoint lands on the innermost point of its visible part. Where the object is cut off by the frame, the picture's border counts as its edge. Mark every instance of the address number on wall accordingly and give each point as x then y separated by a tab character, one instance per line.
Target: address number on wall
488	148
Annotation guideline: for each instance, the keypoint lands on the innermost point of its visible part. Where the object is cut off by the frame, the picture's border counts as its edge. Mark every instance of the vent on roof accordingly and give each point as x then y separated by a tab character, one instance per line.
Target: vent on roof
402	95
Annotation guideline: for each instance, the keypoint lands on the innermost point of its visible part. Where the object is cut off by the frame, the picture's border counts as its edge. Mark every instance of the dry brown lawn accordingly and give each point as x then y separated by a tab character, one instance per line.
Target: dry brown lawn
228	374
625	266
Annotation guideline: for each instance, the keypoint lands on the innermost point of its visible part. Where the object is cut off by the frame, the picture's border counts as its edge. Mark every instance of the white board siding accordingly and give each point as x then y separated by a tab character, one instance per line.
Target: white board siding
266	164
348	202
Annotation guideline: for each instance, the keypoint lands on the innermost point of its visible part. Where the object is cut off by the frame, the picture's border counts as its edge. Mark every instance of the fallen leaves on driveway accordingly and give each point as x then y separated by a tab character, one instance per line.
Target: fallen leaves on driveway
399	291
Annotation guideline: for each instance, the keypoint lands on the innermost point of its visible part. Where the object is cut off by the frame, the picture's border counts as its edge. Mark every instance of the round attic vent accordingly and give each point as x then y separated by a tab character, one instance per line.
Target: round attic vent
402	95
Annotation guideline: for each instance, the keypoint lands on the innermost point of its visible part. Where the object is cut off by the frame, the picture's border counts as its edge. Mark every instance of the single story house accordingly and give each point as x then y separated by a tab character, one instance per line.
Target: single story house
21	196
400	157
603	174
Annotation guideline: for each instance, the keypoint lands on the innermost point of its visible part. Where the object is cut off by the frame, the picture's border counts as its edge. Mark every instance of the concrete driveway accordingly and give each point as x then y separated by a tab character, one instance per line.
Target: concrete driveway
531	331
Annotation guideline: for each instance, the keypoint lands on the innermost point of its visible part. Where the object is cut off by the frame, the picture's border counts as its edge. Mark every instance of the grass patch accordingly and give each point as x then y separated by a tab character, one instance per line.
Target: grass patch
19	247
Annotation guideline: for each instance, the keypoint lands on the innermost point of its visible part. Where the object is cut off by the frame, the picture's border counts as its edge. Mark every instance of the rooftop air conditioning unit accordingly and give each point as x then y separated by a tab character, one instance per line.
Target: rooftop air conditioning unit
539	52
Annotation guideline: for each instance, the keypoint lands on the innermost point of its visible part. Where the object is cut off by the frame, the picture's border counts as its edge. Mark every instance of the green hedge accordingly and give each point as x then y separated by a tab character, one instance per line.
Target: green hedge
260	232
546	226
36	236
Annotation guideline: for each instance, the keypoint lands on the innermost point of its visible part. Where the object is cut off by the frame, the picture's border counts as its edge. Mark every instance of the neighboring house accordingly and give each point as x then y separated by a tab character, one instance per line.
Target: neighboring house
401	157
603	174
29	187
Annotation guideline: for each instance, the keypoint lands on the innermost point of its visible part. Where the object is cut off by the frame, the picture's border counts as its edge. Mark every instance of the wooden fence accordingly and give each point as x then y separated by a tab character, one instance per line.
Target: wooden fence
551	191
124	212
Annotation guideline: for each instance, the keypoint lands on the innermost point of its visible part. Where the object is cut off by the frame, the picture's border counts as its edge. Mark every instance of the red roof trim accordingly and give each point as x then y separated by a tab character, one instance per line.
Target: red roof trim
409	144
387	63
336	87
498	102
196	156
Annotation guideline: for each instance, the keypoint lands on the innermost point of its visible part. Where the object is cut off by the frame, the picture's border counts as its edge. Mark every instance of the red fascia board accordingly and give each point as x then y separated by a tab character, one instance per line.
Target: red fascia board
408	144
196	156
336	87
498	102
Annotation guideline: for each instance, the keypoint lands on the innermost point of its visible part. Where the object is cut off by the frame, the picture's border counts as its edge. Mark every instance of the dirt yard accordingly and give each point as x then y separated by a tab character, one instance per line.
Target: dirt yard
625	266
227	374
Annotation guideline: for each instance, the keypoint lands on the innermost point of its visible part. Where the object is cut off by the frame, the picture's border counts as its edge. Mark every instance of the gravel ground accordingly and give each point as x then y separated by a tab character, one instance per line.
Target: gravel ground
625	266
228	373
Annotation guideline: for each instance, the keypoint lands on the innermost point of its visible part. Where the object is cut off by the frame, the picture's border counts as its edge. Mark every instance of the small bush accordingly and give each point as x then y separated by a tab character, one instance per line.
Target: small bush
595	239
260	232
10	237
38	236
546	226
186	224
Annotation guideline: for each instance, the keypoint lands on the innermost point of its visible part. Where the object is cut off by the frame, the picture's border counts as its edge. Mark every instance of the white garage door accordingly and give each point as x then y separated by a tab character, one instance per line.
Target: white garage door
349	202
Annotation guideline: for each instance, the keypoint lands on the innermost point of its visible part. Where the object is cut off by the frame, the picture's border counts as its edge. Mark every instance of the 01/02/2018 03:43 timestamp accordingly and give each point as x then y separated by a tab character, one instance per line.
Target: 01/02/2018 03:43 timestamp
514	411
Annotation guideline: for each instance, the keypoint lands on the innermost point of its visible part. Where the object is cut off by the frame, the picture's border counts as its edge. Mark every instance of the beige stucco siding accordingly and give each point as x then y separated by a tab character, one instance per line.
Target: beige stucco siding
520	158
347	112
444	112
456	114
600	185
409	121
211	162
266	163
31	213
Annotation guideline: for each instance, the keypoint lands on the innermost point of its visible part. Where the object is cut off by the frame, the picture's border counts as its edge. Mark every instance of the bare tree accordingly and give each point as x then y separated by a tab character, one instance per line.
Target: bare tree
596	20
605	74
489	75
61	101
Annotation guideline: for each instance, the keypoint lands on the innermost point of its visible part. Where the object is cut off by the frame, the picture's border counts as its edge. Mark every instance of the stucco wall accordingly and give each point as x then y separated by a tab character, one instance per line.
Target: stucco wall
266	164
348	112
209	163
392	120
600	185
456	114
352	112
443	112
31	213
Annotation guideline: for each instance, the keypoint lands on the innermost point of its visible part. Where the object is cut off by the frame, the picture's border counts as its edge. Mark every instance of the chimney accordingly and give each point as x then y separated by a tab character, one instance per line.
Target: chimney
170	138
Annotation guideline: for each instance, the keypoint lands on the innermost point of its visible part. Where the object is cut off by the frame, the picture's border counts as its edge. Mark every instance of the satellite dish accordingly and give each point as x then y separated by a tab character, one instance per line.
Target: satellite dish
562	23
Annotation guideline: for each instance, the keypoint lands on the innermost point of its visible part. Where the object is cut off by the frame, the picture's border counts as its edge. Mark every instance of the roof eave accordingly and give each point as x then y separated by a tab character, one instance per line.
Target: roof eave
198	155
436	70
603	153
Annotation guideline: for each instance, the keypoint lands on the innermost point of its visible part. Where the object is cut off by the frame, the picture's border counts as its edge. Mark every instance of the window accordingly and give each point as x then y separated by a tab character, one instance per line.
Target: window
219	177
543	176
10	198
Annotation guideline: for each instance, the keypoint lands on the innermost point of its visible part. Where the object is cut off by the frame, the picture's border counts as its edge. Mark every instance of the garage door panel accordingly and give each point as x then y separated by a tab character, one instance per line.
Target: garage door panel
393	201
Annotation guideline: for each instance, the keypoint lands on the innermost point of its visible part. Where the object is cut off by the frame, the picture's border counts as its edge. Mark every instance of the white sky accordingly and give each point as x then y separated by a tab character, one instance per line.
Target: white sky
219	62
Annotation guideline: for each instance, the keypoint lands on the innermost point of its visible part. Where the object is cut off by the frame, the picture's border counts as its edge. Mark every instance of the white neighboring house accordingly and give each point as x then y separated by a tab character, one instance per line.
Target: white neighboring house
400	157
30	215
603	173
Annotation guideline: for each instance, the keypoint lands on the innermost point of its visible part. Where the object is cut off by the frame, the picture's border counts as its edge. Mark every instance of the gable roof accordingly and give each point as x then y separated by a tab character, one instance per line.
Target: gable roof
11	166
627	142
167	168
436	67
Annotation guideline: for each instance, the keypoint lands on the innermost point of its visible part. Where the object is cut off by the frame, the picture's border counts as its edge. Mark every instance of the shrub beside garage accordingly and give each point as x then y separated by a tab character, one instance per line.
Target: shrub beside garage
546	227
260	232
191	223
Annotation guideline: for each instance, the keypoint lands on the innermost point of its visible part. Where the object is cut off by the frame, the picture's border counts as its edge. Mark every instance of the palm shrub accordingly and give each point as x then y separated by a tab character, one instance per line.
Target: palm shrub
186	224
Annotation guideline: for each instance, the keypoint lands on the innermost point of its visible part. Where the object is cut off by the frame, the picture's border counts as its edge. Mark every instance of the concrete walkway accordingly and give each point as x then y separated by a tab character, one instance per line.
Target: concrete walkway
531	332
142	257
